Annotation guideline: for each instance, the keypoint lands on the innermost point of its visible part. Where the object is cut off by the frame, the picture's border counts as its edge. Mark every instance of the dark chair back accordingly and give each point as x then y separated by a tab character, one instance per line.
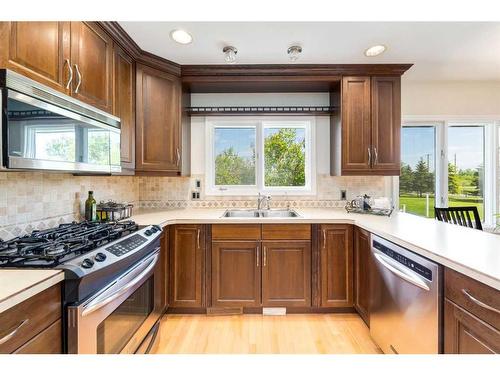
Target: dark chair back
459	216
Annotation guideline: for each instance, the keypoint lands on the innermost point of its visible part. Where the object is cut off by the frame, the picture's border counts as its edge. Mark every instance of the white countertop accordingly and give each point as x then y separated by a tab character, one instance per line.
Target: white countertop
469	251
18	285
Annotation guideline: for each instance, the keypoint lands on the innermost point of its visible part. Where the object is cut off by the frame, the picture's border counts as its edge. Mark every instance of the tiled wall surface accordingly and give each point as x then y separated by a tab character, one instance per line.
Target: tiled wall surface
36	200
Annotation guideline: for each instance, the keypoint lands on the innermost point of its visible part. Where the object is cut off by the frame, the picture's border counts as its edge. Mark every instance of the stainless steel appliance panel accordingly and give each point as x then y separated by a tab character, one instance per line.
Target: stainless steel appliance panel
406	294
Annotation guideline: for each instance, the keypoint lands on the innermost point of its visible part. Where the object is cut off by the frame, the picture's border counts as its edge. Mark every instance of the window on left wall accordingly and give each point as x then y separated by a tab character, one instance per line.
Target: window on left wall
246	156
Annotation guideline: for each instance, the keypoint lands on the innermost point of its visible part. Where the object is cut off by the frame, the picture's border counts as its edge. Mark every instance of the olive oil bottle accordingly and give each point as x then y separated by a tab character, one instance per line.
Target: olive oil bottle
90	207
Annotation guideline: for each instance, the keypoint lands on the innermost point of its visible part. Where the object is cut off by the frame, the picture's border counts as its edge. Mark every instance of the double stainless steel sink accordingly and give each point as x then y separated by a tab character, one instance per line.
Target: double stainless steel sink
261	213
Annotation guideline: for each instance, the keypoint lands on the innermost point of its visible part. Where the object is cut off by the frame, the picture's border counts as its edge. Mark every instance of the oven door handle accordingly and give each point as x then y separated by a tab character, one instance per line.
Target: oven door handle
399	272
143	268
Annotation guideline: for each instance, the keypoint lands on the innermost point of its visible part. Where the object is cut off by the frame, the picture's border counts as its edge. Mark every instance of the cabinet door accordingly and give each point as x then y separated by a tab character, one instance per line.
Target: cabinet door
38	50
464	333
356	125
362	259
158	122
386	125
236	274
186	265
336	266
92	57
124	105
286	273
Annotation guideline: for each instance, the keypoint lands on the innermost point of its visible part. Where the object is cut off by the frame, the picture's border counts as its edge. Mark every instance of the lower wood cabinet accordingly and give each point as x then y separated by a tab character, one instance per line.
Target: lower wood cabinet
362	268
49	341
466	334
236	278
336	266
286	273
187	252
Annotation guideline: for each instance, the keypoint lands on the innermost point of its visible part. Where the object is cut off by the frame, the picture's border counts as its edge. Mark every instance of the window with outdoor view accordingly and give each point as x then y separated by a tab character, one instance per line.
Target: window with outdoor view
418	169
264	155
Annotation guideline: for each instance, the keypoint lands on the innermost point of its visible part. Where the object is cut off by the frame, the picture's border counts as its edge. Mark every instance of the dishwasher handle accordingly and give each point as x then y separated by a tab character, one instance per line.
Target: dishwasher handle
398	271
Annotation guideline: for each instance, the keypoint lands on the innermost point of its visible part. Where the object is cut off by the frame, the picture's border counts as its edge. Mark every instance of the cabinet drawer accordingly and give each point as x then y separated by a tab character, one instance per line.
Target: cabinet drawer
30	317
286	232
473	296
237	232
48	341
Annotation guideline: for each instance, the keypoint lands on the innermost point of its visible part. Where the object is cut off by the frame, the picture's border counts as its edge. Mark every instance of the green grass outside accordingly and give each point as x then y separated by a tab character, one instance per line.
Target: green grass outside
417	205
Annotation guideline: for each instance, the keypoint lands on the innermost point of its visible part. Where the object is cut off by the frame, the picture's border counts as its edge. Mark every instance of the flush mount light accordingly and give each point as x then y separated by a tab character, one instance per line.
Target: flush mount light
375	50
294	52
230	54
181	36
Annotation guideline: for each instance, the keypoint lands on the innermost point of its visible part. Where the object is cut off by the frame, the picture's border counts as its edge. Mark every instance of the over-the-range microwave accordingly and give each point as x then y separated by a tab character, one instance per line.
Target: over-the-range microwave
43	129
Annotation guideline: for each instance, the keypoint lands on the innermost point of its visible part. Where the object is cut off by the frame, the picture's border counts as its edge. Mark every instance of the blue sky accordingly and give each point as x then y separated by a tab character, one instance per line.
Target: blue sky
467	143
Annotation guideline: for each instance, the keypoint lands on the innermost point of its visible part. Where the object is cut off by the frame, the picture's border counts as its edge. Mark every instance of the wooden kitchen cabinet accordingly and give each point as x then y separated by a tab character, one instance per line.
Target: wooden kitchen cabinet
236	275
124	106
158	125
336	265
471	315
371	125
34	325
92	59
286	273
163	280
187	249
362	269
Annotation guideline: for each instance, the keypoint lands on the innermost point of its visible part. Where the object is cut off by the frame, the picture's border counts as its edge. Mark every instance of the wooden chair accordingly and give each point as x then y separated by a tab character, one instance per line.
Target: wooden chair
459	216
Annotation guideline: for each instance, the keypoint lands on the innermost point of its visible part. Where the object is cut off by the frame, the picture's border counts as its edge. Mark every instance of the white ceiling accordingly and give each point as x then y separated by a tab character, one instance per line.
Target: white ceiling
439	50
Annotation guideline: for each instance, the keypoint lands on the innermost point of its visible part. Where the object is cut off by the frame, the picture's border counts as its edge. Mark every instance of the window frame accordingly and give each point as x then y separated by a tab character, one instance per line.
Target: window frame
491	159
260	123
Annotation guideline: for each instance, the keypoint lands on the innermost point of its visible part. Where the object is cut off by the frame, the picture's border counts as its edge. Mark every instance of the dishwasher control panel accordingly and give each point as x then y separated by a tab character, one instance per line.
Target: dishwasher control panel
407	262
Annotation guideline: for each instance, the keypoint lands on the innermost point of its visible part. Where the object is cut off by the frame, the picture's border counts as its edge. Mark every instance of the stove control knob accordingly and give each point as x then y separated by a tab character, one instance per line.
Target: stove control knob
148	232
153	229
157	228
100	257
87	263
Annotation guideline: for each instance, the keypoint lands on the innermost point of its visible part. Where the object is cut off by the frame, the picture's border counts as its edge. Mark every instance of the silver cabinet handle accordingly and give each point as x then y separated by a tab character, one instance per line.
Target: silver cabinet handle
258	255
324	238
399	272
265	256
375	152
79	75
369	156
178	156
198	239
478	302
70	78
12	333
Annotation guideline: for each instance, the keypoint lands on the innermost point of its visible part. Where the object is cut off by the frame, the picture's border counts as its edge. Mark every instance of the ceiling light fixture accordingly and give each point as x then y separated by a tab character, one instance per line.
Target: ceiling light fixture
294	53
230	54
181	36
375	50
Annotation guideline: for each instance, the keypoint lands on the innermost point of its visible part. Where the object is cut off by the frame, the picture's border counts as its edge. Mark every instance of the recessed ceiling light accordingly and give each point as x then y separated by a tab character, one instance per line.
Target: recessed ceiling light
181	36
375	50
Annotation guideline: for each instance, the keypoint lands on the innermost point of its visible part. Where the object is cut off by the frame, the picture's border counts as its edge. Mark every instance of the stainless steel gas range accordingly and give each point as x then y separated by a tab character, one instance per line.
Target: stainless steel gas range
112	292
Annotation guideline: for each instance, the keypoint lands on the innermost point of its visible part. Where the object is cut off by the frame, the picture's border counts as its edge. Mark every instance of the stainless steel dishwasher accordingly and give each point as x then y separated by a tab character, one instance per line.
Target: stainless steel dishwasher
405	315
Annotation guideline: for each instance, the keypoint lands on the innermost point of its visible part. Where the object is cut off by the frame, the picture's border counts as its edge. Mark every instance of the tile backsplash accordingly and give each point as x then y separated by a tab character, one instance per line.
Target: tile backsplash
38	200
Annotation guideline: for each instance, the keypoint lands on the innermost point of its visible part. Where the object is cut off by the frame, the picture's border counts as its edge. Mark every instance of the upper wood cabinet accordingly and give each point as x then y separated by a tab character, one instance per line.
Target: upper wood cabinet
336	266
124	105
38	50
187	249
362	269
371	125
92	59
236	275
158	125
286	273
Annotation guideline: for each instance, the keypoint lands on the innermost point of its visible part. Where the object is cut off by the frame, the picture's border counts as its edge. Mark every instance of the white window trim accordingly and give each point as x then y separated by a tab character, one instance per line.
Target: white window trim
491	149
260	123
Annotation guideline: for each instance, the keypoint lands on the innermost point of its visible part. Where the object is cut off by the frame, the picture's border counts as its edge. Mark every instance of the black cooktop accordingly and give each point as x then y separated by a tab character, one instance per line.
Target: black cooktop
51	247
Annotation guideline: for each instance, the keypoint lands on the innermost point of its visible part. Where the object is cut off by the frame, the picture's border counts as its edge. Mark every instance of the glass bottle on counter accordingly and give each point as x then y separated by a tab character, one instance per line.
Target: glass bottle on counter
90	207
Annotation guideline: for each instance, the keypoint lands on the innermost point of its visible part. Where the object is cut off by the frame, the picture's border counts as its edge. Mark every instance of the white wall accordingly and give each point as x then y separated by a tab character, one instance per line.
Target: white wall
450	98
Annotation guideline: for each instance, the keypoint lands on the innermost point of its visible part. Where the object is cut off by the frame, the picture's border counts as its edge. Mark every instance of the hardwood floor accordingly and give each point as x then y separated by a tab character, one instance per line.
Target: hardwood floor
242	334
